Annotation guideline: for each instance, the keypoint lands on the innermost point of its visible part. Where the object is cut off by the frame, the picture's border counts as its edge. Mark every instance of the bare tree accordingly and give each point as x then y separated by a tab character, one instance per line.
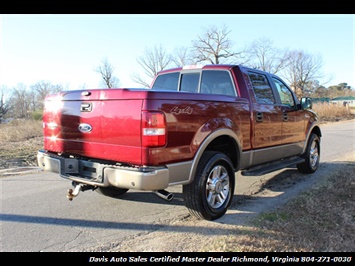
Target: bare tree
302	69
153	61
138	79
266	57
320	92
4	103
106	72
214	47
40	90
22	102
21	105
182	57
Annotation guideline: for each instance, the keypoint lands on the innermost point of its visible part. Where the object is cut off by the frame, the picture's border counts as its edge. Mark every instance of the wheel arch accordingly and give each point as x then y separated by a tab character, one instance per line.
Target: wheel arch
316	130
221	140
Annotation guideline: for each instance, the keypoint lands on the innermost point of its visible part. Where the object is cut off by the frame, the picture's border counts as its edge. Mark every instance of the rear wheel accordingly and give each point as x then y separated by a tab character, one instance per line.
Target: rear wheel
112	192
210	194
311	156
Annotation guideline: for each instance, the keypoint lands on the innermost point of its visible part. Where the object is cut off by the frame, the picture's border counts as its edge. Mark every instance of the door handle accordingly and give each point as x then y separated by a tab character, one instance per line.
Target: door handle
285	117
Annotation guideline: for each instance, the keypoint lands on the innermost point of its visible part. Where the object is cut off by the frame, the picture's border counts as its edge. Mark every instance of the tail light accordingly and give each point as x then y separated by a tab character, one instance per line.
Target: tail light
153	129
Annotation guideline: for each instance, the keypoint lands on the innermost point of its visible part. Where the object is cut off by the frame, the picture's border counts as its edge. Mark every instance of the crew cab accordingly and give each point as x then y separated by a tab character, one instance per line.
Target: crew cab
196	126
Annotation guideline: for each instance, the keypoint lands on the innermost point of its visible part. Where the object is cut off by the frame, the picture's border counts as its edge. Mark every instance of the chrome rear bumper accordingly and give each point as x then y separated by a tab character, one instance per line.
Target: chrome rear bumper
104	175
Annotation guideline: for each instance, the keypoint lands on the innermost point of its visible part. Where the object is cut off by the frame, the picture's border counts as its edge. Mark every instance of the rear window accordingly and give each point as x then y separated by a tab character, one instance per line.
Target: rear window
167	82
189	82
212	82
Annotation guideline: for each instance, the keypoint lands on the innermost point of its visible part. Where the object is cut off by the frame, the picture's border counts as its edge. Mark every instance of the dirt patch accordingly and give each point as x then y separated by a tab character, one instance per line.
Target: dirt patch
19	154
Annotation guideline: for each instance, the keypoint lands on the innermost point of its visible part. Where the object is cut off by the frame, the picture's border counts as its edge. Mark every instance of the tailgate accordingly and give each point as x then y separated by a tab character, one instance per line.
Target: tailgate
103	124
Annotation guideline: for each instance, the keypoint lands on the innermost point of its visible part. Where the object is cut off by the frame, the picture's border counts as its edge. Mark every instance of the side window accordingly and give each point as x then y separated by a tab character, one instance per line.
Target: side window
284	92
189	82
217	82
167	82
262	88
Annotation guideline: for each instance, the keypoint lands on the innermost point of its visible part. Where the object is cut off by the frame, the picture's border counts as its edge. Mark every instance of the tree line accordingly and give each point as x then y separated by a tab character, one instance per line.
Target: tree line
301	70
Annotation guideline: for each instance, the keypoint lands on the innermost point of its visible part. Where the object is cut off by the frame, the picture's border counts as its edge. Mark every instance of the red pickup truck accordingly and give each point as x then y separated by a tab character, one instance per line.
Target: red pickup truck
195	127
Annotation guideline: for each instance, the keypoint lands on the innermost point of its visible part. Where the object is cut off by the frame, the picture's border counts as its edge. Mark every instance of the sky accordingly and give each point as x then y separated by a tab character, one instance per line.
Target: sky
66	48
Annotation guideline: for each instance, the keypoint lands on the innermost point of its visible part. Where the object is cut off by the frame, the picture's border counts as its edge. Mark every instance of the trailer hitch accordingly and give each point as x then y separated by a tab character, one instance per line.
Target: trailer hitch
72	193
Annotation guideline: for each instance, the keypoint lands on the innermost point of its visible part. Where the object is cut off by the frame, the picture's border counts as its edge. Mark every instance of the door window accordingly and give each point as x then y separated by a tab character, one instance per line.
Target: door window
284	92
262	89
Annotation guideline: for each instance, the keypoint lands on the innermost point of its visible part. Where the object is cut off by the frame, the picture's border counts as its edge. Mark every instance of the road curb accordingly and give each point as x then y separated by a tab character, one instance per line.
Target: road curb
20	171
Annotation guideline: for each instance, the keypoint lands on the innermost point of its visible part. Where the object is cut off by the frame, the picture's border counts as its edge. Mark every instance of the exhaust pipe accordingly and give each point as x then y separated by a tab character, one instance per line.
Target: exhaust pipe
164	194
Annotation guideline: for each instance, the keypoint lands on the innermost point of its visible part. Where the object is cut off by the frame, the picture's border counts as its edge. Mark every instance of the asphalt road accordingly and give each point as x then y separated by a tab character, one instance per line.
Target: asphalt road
36	215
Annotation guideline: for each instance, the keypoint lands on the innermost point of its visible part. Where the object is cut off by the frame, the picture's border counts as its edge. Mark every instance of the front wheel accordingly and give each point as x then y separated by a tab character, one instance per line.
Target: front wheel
311	156
211	192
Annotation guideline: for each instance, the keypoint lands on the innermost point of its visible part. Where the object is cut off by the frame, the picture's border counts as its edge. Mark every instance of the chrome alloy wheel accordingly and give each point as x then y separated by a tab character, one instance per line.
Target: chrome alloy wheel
217	187
314	154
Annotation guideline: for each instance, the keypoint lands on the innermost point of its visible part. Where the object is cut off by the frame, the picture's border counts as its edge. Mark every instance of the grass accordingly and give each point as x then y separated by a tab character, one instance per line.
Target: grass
332	112
19	141
323	219
319	220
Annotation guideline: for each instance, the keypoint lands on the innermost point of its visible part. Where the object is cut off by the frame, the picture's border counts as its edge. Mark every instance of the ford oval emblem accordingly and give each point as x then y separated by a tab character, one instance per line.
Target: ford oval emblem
85	128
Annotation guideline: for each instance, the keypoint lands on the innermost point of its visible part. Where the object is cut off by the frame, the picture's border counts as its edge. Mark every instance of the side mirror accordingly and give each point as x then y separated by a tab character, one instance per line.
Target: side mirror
306	103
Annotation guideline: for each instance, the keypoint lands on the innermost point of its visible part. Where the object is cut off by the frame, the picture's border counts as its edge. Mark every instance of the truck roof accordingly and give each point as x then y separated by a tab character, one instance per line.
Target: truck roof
199	67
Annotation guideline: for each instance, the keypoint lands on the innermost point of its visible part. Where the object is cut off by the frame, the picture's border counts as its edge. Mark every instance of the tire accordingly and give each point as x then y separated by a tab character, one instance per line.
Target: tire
210	194
112	192
311	156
